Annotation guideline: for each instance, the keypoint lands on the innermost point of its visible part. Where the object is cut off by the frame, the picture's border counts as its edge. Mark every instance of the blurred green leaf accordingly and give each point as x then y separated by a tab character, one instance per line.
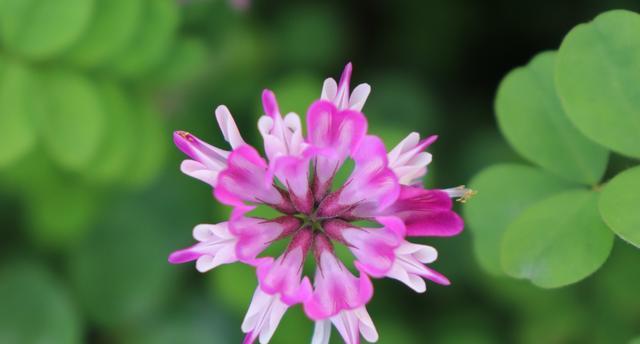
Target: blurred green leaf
635	341
151	41
318	26
531	118
150	145
40	29
619	205
597	78
557	241
234	285
294	326
401	101
504	192
59	212
74	123
115	156
113	24
16	111
120	272
185	62
193	321
616	290
35	309
296	93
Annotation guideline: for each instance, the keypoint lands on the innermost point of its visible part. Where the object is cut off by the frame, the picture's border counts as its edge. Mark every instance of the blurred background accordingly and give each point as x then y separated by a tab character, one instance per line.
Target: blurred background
92	200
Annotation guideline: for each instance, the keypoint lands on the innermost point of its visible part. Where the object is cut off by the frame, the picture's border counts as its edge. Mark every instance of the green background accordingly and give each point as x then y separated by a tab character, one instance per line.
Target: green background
92	200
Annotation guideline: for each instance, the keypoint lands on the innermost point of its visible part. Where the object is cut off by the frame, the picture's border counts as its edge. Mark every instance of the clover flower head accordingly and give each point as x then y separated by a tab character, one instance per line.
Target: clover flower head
374	213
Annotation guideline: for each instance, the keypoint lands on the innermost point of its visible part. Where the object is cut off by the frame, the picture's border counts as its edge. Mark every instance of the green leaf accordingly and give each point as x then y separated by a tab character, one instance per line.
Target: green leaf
16	111
114	23
296	93
188	59
40	29
531	118
194	321
557	241
35	309
234	284
150	144
59	212
504	191
120	272
74	123
619	205
151	41
597	78
115	156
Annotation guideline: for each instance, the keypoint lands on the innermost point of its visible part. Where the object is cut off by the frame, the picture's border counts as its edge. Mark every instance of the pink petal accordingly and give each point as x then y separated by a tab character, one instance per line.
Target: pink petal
246	180
371	187
426	212
293	172
212	157
255	235
335	134
374	247
283	276
336	289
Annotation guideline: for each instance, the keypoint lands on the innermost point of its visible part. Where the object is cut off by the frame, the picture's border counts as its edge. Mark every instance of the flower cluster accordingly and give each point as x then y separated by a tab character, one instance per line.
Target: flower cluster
383	191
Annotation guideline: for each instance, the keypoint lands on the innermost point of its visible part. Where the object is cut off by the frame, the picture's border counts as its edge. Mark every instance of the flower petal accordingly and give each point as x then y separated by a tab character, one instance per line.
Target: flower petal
371	187
207	161
321	332
246	180
255	235
351	324
228	127
336	289
263	317
335	134
426	212
408	159
283	276
216	246
199	171
374	247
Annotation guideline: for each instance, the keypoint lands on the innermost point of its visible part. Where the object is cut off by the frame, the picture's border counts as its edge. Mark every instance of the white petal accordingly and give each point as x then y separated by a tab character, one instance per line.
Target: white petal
329	89
199	171
359	97
321	332
367	328
228	127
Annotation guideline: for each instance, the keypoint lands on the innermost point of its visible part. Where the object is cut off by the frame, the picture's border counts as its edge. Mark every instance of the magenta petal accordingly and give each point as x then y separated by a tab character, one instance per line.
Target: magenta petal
443	223
245	180
270	104
283	276
426	212
374	248
336	289
334	134
372	186
183	256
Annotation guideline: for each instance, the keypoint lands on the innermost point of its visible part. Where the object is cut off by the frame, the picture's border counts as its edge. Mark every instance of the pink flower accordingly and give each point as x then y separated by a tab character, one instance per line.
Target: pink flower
297	179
